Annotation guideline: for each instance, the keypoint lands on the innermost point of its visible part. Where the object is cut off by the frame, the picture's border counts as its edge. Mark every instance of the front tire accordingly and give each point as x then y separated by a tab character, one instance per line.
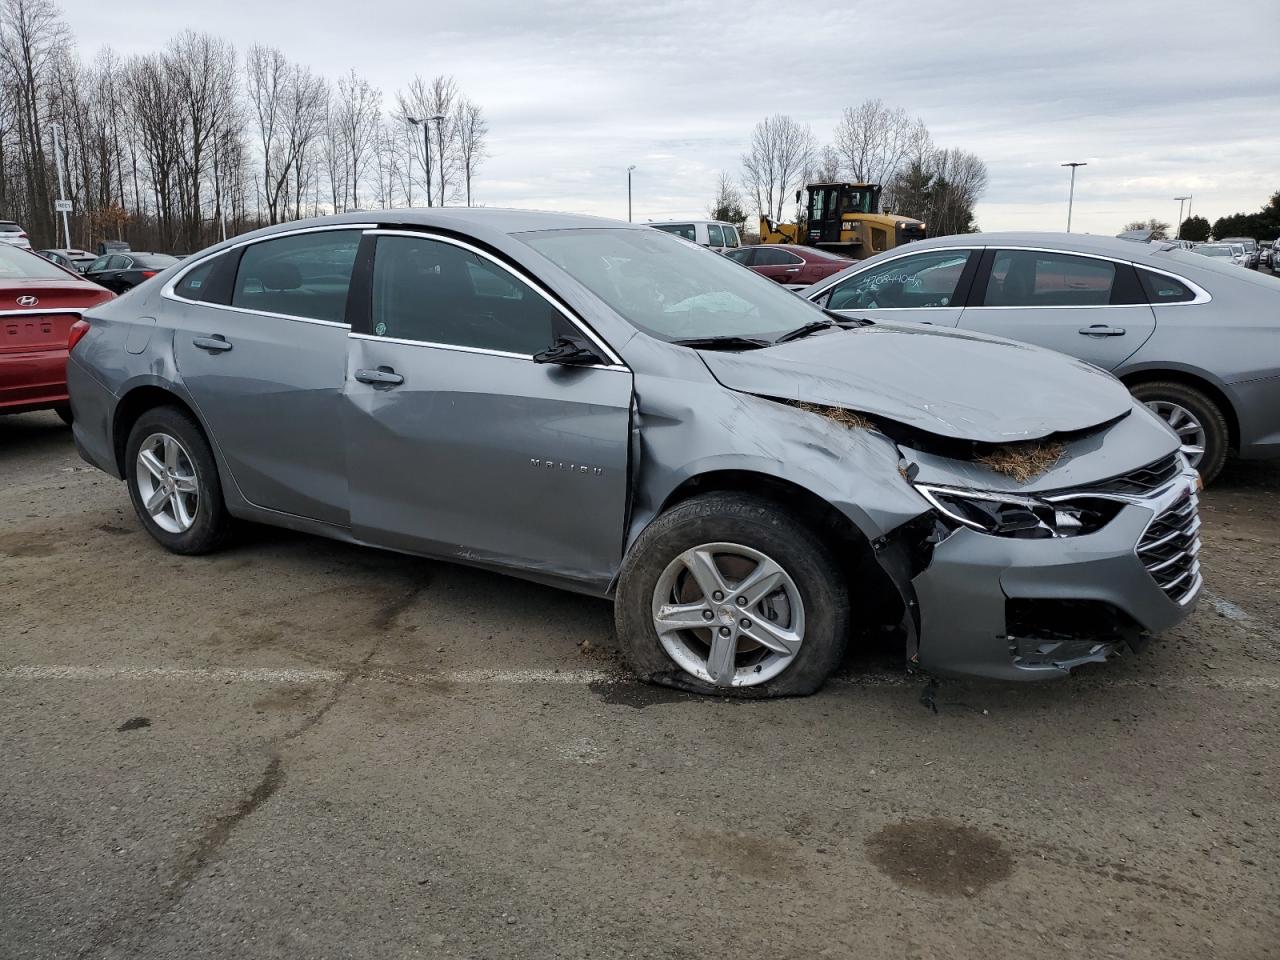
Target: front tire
730	594
173	482
1198	421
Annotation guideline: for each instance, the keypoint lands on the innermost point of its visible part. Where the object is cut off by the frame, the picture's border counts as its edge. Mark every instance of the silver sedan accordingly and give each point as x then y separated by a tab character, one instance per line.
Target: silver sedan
1195	339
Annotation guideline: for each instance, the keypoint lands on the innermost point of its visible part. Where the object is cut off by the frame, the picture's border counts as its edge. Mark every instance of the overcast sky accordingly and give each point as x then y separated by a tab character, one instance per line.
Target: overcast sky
1160	98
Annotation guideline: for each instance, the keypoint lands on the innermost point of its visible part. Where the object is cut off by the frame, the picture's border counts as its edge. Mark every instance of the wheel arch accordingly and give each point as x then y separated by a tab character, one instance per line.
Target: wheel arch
1196	380
137	400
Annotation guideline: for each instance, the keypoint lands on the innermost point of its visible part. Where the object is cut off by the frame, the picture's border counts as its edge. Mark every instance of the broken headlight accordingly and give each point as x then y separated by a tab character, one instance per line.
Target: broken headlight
1011	515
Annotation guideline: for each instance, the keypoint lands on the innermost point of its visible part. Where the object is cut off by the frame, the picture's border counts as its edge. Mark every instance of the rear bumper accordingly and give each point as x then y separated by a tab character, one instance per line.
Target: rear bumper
34	380
93	410
980	596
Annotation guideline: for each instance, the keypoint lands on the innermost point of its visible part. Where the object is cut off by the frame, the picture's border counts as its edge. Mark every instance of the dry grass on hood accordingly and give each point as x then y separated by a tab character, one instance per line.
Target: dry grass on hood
1023	461
840	415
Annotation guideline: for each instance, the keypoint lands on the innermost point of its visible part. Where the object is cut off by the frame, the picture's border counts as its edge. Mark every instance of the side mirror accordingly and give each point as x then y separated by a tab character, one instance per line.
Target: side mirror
569	352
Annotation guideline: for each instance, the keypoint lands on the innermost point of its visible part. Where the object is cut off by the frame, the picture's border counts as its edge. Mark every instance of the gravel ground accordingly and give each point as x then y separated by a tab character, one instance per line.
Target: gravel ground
303	749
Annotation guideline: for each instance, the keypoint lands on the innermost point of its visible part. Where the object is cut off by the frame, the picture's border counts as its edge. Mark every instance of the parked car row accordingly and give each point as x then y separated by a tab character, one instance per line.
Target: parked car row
1192	340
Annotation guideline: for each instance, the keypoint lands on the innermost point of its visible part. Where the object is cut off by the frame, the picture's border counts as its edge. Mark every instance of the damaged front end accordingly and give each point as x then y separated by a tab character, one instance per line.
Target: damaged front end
1038	557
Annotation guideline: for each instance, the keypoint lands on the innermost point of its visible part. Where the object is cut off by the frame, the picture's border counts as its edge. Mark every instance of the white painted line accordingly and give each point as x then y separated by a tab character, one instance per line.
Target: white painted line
295	675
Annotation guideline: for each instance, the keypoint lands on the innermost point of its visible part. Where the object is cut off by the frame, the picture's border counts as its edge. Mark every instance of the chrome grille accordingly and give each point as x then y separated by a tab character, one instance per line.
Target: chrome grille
1169	547
1144	479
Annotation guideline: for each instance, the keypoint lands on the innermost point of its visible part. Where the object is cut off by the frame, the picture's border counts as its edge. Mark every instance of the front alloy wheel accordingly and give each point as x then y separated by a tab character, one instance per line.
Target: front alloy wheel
728	614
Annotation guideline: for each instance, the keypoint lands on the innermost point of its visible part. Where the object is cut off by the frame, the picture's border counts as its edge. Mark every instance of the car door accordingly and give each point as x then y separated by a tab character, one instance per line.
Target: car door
929	286
102	271
459	443
1089	307
261	343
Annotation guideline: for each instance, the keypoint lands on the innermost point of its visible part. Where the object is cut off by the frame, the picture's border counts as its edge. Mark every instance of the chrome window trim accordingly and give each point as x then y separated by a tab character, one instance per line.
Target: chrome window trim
615	360
1202	295
168	291
36	311
483	351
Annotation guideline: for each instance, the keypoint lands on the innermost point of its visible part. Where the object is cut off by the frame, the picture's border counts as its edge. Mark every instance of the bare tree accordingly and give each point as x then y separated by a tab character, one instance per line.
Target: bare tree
872	139
727	205
157	114
472	131
781	151
827	165
354	119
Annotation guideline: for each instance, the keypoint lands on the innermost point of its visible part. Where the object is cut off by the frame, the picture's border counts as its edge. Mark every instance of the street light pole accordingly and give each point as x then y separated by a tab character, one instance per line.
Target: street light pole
1072	196
1177	234
426	150
62	186
439	119
629	169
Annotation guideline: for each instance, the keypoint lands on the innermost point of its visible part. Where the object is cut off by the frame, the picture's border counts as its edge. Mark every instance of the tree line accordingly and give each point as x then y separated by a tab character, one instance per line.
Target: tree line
872	143
171	149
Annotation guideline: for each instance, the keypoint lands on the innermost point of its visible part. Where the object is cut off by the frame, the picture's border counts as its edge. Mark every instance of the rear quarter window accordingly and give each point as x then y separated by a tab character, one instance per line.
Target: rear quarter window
1160	288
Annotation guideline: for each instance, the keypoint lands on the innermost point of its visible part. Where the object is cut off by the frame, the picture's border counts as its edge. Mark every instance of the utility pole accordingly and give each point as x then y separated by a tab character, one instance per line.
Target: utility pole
426	150
1072	196
62	184
629	169
1177	235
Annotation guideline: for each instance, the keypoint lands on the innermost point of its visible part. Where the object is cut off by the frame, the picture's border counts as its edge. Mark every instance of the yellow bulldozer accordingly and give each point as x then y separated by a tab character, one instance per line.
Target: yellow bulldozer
844	218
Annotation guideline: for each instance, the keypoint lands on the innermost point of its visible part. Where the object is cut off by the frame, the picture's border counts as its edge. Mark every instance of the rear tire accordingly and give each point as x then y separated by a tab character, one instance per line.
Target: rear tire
752	536
1164	396
188	514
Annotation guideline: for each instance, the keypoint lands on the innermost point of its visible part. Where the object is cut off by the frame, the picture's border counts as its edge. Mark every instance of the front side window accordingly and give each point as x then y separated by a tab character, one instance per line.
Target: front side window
715	237
741	255
97	265
430	291
1161	288
730	236
1030	278
922	280
305	275
669	289
773	257
686	230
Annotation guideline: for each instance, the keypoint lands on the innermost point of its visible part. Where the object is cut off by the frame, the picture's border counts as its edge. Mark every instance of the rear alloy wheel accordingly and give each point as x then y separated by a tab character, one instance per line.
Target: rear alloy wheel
730	594
173	482
1197	420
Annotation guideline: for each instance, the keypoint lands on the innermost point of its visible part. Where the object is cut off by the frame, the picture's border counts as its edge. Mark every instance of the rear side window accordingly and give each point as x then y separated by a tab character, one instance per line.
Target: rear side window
1030	278
715	237
194	284
433	292
686	230
306	275
1164	289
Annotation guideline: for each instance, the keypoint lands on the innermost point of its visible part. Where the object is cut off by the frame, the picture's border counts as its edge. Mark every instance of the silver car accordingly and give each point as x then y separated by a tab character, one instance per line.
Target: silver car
609	409
1192	337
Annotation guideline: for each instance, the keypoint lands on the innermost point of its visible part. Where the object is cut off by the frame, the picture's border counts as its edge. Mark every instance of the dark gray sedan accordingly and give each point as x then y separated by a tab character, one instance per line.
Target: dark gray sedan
609	409
1195	339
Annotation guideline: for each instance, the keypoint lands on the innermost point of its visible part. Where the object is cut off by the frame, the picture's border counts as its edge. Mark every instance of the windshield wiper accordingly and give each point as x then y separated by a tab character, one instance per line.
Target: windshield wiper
836	321
730	342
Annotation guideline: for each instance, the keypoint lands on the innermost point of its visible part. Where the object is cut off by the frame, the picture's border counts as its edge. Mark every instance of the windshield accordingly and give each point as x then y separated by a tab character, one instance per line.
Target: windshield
1214	251
670	289
18	264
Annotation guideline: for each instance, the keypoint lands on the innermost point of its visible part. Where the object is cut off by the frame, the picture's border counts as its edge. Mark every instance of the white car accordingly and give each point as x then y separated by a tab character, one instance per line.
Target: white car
12	234
716	234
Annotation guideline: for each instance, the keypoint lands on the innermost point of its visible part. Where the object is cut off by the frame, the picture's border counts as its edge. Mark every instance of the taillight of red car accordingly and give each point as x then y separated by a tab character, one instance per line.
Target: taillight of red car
76	334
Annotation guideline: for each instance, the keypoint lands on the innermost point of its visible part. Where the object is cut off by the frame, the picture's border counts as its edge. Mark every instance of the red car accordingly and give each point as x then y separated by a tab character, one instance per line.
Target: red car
790	264
39	301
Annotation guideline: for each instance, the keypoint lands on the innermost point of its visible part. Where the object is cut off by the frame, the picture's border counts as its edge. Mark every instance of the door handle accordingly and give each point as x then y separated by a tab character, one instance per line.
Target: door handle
214	344
791	270
383	375
1102	330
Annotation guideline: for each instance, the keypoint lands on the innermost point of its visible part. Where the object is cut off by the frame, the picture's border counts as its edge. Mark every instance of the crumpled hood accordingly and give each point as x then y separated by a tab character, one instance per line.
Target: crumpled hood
960	385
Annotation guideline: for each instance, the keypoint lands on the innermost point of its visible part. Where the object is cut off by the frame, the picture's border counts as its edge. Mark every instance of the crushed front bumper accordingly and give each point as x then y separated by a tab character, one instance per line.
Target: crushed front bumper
1029	609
